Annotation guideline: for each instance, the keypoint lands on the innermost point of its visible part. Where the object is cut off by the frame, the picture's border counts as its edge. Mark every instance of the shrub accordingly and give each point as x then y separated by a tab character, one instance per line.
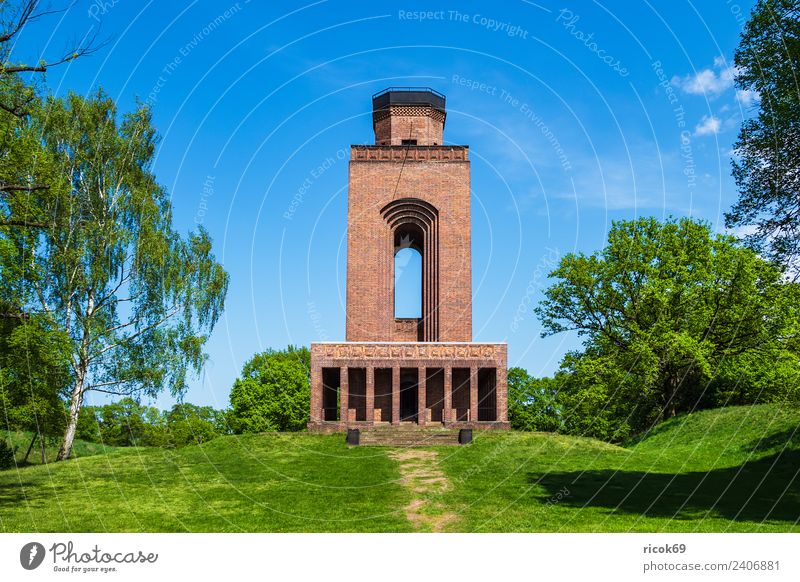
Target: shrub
273	393
6	455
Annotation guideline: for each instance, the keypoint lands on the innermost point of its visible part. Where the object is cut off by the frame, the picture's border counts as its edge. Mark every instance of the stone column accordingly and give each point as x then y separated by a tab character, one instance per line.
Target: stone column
316	395
447	412
501	394
396	395
371	394
422	414
473	393
344	394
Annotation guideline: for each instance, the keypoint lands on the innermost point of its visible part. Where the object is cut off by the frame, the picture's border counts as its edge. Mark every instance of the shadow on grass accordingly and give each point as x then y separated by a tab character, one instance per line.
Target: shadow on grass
765	489
13	492
788	438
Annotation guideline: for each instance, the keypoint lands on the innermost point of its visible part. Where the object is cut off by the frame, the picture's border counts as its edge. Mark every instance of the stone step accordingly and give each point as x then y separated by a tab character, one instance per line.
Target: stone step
418	438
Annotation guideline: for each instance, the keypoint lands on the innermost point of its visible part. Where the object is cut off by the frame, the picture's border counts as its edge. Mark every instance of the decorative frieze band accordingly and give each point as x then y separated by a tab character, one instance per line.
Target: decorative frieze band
390	351
400	153
409	111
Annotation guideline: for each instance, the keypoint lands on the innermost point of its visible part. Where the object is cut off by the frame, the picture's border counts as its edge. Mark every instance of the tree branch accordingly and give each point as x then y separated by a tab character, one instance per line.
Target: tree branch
136	334
8	187
24	223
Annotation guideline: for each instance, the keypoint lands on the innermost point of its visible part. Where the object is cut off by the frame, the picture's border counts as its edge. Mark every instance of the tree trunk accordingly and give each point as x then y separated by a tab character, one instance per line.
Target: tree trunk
76	399
41	443
75	402
30	447
670	393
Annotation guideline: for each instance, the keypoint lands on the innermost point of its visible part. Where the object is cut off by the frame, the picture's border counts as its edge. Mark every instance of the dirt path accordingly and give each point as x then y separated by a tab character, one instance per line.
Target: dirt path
420	473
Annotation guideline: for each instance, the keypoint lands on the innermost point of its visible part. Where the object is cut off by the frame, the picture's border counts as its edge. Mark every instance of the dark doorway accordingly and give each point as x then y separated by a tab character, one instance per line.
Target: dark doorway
461	396
383	395
487	394
434	393
409	395
331	382
357	393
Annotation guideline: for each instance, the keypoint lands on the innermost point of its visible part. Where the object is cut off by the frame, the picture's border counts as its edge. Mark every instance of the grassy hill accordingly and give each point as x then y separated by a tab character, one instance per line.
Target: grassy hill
731	469
21	440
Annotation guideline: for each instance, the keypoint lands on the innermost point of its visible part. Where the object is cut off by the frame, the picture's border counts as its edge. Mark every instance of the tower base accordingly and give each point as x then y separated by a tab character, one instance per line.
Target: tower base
408	384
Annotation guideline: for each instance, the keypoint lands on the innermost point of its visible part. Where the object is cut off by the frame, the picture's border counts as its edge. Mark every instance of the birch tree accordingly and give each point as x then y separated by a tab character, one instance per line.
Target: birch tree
136	299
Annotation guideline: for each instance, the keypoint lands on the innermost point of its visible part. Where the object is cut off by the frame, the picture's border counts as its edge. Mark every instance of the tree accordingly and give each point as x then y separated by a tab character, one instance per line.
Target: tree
188	424
34	376
661	308
134	298
24	176
125	423
532	402
767	163
273	392
31	382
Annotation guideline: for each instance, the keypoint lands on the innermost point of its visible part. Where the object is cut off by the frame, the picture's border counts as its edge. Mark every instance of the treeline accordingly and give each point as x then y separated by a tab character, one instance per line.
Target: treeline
674	318
127	423
271	395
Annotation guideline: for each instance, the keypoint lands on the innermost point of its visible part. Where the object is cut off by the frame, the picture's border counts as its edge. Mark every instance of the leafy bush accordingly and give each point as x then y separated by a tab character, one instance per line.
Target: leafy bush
6	455
187	424
533	402
273	393
128	423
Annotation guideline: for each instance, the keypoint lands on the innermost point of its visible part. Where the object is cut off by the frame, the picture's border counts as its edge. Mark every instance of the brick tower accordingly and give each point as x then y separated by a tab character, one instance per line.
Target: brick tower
409	190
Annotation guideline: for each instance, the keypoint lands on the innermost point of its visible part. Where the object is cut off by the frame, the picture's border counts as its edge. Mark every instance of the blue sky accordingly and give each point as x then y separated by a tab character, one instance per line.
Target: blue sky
576	115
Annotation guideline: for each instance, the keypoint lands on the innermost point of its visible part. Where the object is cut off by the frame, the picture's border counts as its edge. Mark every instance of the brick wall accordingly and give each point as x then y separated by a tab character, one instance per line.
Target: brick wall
398	123
438	175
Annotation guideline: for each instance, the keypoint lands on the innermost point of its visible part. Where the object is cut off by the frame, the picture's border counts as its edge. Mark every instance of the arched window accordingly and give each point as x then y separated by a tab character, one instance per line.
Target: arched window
414	226
407	283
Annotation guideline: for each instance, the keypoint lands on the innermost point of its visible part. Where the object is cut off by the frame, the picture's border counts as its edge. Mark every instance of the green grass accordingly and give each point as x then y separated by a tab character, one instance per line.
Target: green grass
20	441
731	469
279	483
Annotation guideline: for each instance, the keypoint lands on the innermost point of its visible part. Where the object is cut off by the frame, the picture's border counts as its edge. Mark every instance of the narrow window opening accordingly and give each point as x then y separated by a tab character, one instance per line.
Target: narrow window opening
408	284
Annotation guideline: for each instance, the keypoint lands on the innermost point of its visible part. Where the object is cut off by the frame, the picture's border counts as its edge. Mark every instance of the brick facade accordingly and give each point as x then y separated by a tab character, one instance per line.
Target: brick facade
438	176
409	193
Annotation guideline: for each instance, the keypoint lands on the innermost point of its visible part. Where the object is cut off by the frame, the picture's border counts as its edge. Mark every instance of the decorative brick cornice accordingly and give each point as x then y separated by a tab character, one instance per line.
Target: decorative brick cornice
409	111
398	153
409	350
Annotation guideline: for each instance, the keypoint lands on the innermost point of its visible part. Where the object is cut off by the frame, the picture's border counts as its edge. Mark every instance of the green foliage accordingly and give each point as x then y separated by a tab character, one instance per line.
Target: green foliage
128	423
273	392
34	374
673	317
187	424
767	165
532	402
123	423
34	355
135	300
6	455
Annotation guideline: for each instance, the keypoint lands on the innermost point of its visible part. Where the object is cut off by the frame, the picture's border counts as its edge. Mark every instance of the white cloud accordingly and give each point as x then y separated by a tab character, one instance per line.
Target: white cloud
707	82
742	231
709	125
747	97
